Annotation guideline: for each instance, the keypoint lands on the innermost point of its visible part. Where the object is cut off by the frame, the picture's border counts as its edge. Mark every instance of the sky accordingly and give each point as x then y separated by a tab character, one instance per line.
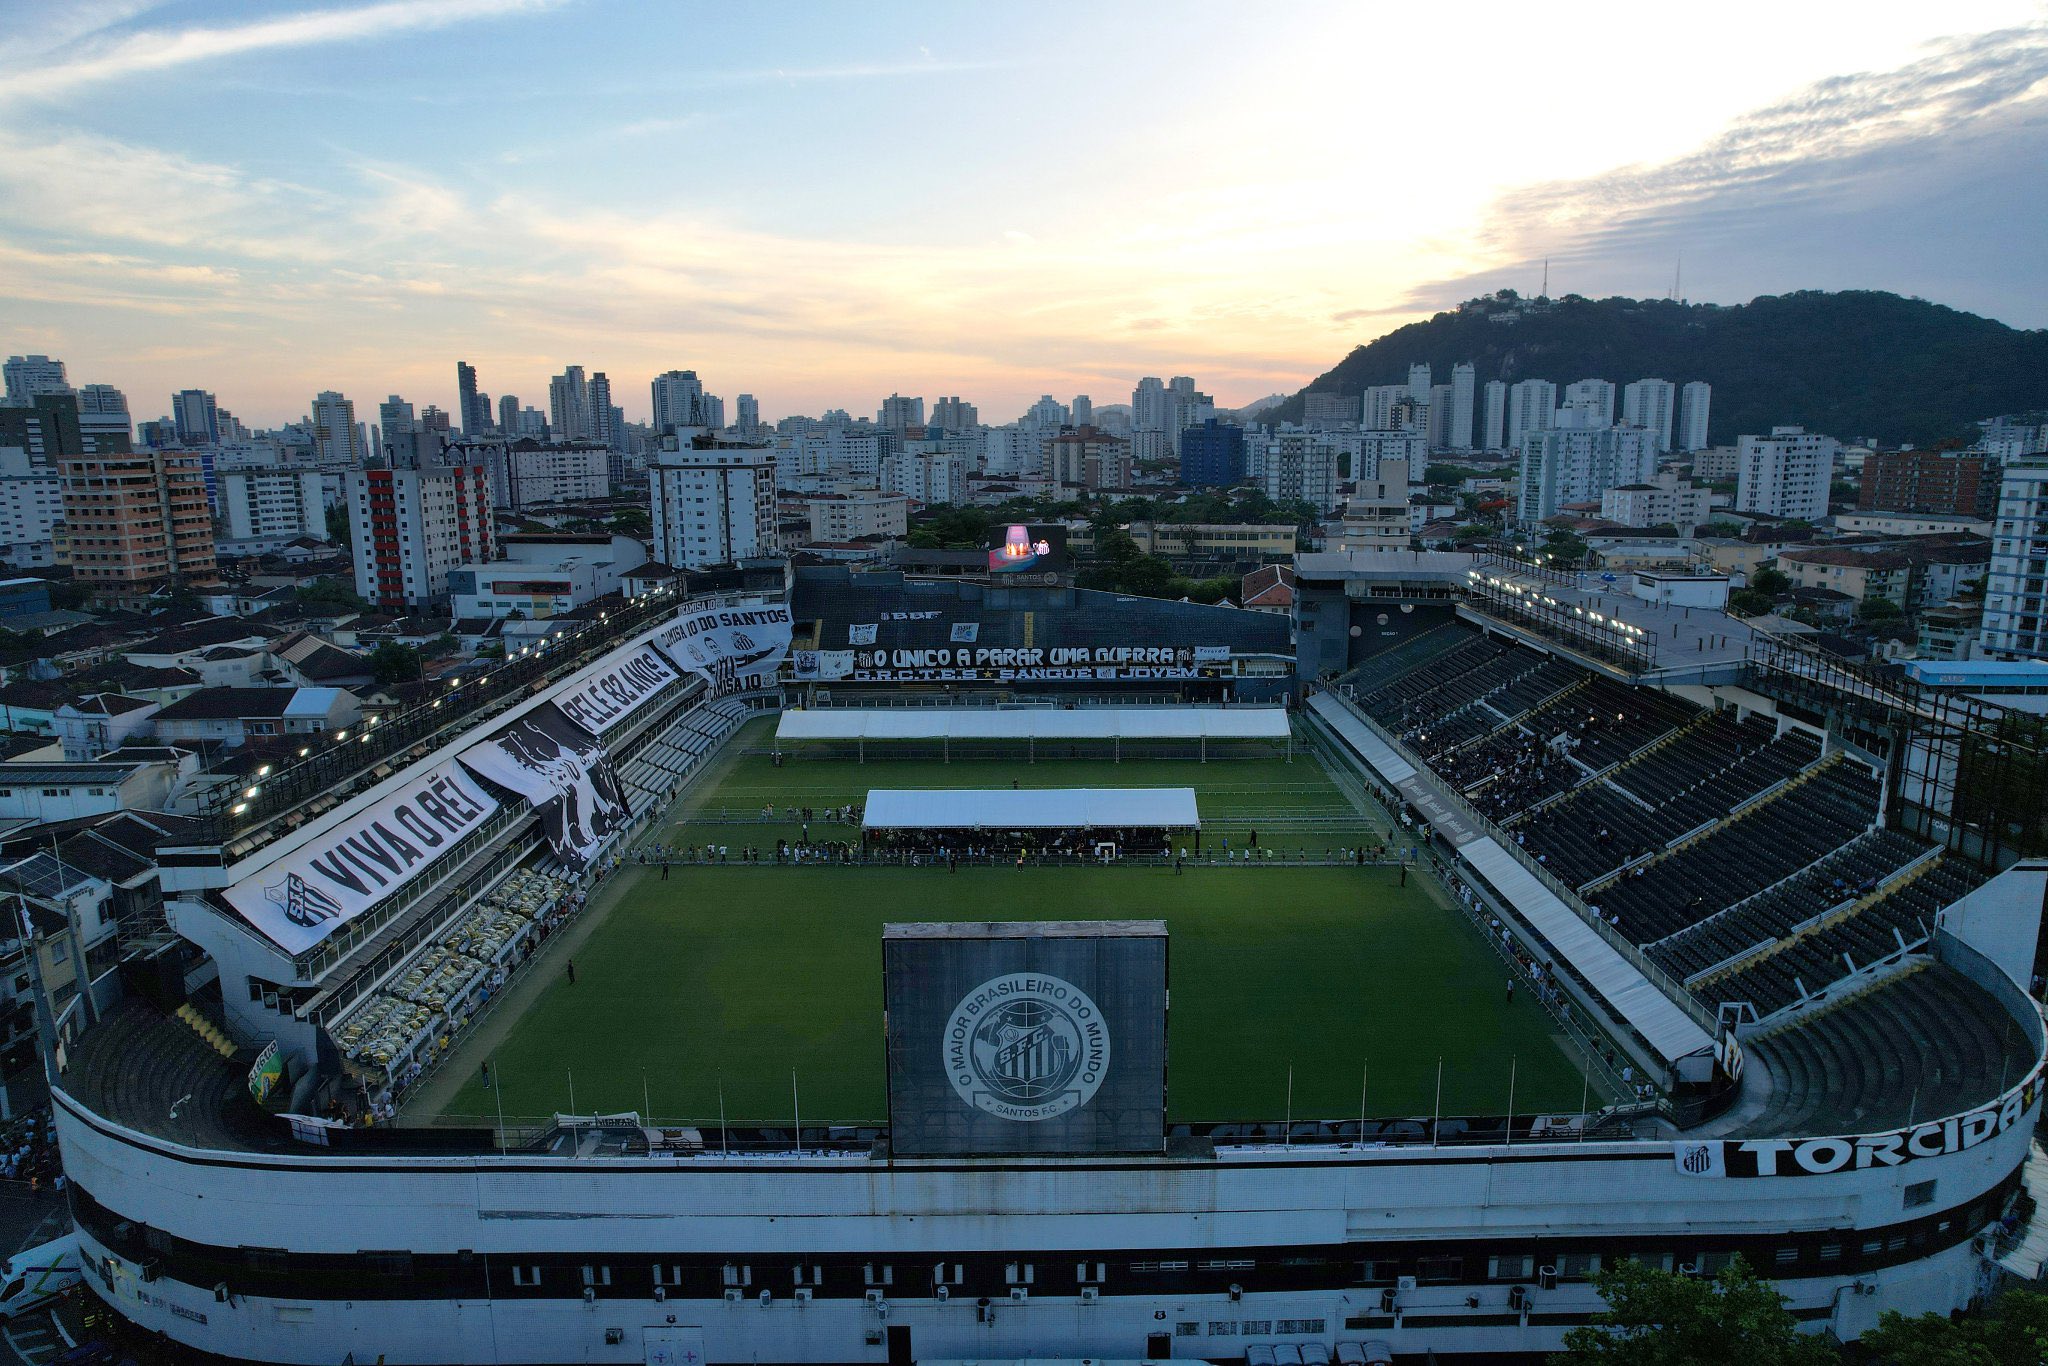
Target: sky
822	204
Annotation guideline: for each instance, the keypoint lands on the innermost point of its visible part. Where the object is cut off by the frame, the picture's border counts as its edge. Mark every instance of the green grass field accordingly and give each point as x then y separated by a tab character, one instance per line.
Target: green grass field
734	976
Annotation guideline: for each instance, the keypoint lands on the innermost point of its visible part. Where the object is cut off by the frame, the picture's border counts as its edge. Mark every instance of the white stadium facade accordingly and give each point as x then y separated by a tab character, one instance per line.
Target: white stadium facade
1857	1135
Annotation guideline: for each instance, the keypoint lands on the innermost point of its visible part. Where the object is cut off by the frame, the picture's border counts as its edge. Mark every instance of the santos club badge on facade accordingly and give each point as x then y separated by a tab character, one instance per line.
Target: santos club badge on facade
1026	1047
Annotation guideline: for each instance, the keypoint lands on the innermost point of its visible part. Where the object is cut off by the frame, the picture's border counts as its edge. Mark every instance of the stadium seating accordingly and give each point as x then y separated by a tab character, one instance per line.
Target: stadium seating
1924	1043
1900	917
1743	856
1854	871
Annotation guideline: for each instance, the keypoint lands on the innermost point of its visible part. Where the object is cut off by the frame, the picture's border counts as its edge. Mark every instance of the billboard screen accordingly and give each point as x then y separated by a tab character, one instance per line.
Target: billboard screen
1026	1038
1017	548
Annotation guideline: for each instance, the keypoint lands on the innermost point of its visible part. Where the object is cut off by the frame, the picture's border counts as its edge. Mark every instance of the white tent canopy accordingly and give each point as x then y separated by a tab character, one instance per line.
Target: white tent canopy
1034	723
1054	808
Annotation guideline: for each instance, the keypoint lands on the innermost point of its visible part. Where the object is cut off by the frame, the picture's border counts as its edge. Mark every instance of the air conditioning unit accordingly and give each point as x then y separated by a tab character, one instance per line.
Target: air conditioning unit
734	1296
589	1295
1546	1277
1236	1292
1404	1284
943	1293
767	1298
1518	1298
1018	1294
874	1298
803	1295
1089	1294
660	1294
1387	1301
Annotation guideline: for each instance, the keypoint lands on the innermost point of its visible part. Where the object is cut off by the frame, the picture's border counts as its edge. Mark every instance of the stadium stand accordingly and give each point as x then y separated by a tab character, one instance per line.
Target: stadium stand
1923	1043
1897	919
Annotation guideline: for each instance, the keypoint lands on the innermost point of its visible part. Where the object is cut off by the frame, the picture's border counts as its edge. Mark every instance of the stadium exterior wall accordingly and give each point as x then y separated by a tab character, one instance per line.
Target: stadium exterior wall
274	1258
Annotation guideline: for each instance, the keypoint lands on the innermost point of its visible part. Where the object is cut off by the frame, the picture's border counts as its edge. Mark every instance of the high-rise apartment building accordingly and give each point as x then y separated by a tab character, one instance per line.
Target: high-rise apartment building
1785	474
1952	483
953	415
1495	435
1301	465
508	414
2016	585
1577	460
569	405
45	426
525	473
395	420
1693	403
1437	423
900	414
1212	455
335	435
1532	407
473	408
1048	414
1419	383
1089	458
1326	408
678	402
1651	404
27	376
1081	412
411	527
1595	396
196	416
1148	405
1464	384
713	506
749	423
603	430
1376	514
103	419
138	521
271	503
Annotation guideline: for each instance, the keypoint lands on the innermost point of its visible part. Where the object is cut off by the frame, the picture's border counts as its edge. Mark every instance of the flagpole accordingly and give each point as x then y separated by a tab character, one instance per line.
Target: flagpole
724	1145
1585	1095
646	1105
1436	1118
797	1106
1287	1134
1364	1075
498	1090
1512	1061
572	1090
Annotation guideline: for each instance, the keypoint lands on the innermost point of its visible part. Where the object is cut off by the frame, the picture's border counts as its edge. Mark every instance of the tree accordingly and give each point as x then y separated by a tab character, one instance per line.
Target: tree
1877	609
392	662
337	526
2013	1333
1657	1318
1771	581
329	595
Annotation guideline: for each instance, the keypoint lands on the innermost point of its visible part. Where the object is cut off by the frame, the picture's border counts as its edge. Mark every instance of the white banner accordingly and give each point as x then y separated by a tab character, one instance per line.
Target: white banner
966	632
861	635
305	896
730	648
563	770
607	697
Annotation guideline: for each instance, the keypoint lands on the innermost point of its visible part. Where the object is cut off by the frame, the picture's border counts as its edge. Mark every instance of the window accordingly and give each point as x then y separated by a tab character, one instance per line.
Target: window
736	1277
596	1276
1919	1193
1577	1266
1019	1273
1298	1325
1439	1268
670	1275
1185	1329
526	1277
1091	1273
1519	1267
939	1276
1223	1328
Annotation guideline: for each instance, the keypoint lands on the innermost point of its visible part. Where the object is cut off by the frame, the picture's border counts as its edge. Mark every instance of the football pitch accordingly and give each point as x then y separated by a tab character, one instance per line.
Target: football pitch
720	981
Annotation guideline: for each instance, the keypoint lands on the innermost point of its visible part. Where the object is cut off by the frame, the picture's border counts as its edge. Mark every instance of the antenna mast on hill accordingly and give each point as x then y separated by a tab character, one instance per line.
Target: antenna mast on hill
1678	280
1546	279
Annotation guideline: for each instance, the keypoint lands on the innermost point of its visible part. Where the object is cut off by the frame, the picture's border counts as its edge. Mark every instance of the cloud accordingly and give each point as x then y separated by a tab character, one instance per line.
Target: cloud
159	49
1861	179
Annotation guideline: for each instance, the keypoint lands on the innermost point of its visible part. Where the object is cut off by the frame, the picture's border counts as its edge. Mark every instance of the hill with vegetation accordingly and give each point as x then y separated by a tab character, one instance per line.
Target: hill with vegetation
1858	364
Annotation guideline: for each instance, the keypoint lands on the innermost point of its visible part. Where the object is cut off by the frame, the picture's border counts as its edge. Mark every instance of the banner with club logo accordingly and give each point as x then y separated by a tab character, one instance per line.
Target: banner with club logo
563	770
731	648
300	899
614	690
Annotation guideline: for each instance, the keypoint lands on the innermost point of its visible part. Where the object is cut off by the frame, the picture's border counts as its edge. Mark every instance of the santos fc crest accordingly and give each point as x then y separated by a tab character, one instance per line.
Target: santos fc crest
1026	1047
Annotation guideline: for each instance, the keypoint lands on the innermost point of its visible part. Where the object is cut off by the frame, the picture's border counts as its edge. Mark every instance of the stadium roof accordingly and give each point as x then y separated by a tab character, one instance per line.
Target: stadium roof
1066	808
1037	723
1664	1025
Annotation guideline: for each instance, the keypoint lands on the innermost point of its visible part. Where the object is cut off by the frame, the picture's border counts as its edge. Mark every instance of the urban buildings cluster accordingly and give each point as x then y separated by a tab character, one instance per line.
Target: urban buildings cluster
428	499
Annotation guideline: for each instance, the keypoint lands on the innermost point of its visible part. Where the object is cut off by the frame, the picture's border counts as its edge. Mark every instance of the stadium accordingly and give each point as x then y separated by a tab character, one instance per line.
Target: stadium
880	969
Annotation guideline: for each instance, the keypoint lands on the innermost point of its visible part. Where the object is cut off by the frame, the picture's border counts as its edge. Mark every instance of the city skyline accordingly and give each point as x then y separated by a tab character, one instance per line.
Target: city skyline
898	203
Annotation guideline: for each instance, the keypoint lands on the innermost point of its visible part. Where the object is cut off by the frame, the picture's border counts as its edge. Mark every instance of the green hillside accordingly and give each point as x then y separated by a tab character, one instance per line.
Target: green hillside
1854	364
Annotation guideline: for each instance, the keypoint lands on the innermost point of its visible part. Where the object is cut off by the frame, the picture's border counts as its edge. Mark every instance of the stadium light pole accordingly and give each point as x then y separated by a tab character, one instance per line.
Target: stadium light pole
796	1105
1436	1118
1287	1134
1512	1062
498	1091
724	1143
1364	1076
